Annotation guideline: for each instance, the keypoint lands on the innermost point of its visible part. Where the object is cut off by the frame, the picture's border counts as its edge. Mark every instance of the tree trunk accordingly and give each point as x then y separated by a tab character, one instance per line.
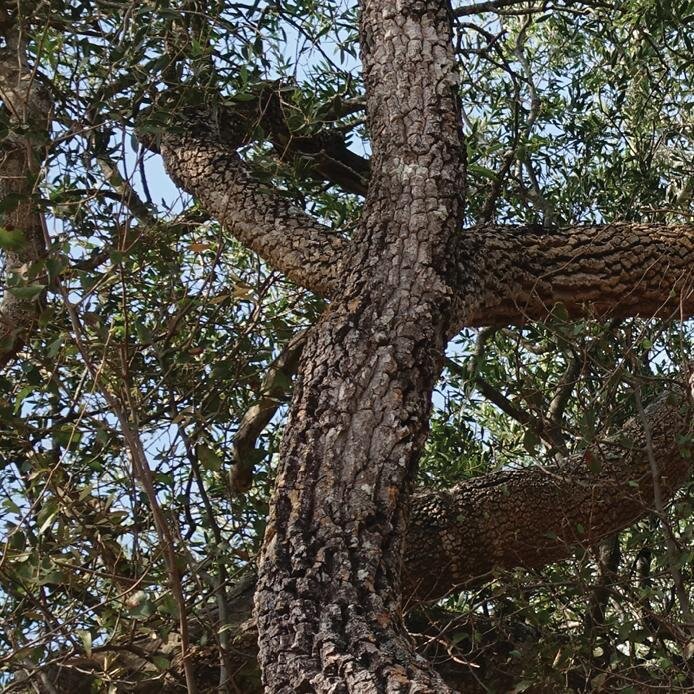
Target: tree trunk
20	163
328	598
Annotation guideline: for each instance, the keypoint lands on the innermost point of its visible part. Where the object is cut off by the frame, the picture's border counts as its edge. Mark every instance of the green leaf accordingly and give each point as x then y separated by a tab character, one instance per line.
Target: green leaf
209	459
21	396
160	662
561	313
11	239
47	514
55	266
144	334
27	292
86	638
531	441
10	202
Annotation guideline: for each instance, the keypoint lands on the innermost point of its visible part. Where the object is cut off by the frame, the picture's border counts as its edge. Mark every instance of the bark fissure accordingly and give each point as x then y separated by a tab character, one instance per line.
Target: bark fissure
606	271
503	275
328	602
529	517
258	216
460	537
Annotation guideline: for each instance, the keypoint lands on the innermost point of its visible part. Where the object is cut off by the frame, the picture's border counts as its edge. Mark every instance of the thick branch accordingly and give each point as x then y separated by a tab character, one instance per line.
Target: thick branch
527	518
505	275
614	270
518	275
286	237
272	115
330	563
500	5
530	517
27	110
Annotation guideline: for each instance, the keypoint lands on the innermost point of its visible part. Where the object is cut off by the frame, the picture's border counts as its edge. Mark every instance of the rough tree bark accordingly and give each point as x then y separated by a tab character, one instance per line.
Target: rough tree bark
21	159
529	517
328	601
503	275
328	595
458	538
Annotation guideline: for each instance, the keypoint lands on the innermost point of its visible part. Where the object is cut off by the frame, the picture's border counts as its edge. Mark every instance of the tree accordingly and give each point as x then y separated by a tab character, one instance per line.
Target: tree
502	136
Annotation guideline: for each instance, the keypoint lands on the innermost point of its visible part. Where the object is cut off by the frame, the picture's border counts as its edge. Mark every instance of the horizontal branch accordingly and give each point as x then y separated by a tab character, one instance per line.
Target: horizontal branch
272	115
511	275
530	517
500	275
500	5
481	7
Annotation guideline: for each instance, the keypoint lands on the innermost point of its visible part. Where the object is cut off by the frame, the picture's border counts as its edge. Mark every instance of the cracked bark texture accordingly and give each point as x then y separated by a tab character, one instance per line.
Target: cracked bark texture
502	520
612	270
203	163
328	596
20	162
328	599
505	274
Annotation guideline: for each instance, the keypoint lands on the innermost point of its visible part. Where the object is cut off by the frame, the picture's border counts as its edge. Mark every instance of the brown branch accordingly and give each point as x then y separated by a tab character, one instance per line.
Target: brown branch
519	274
555	410
512	518
273	392
124	190
533	516
28	109
324	152
290	240
480	7
497	5
606	271
538	425
673	553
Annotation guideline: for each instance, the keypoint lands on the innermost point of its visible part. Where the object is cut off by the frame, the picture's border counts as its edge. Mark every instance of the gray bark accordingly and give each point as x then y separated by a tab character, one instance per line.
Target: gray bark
529	517
522	518
328	598
504	275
